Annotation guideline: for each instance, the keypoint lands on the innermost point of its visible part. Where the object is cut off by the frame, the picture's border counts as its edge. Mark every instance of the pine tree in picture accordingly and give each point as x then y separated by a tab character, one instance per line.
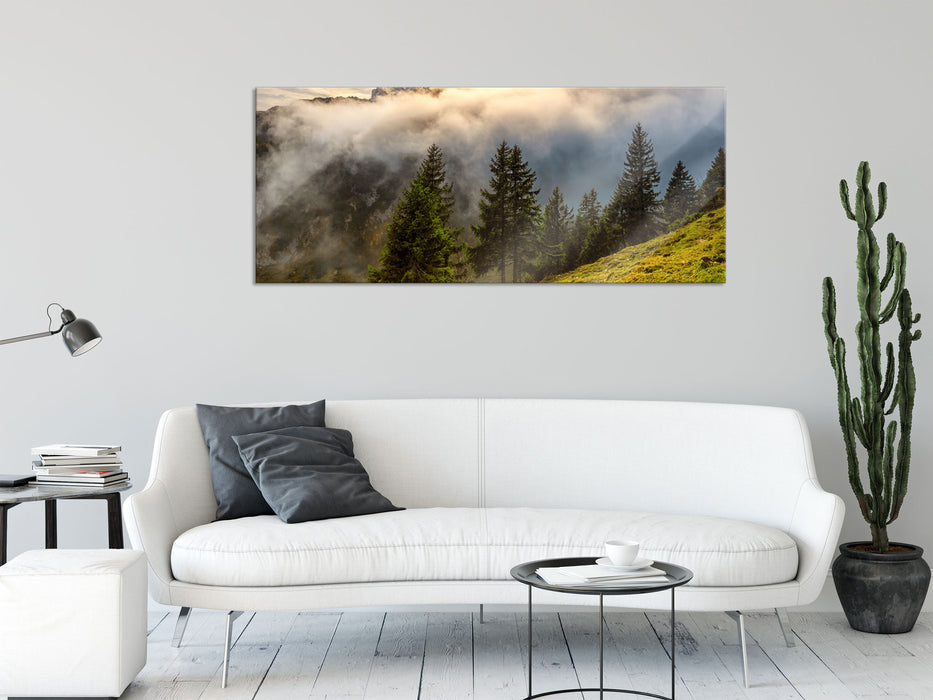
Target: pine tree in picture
508	209
419	242
680	197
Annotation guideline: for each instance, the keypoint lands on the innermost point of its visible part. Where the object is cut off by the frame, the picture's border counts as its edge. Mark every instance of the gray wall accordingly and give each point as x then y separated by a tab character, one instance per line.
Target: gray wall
126	189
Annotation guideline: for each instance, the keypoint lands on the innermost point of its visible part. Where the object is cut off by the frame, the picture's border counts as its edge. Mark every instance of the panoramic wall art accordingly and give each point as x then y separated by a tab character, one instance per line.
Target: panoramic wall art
490	185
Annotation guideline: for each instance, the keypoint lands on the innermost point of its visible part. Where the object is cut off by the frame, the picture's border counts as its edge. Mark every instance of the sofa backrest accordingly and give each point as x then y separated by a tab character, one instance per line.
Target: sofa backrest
734	461
746	462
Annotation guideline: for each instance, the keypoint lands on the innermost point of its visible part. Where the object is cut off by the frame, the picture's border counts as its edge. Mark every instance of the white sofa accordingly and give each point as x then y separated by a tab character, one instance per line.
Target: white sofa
729	491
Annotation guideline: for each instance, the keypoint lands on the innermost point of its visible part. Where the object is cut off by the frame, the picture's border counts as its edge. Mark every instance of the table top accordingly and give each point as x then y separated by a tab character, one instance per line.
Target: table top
676	575
47	492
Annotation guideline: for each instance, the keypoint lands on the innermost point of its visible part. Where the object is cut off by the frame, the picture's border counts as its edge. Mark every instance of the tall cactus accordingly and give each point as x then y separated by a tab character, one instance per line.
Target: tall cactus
863	420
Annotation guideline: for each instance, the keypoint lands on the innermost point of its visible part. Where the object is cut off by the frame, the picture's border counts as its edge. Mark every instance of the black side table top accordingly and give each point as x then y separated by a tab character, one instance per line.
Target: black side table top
677	576
44	492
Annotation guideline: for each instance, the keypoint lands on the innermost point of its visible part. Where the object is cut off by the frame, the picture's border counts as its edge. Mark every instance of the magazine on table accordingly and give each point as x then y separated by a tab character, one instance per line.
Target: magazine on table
595	575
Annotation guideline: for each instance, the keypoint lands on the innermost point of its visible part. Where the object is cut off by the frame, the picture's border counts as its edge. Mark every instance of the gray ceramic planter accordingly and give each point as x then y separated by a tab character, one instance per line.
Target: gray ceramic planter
881	593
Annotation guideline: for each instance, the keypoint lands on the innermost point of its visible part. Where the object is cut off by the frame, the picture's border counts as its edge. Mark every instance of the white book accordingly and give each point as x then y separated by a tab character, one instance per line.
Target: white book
74	449
48	469
595	572
556	577
67	460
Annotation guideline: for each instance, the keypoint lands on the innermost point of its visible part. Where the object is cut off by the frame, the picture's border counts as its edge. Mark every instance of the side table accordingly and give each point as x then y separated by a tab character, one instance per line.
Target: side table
525	573
13	496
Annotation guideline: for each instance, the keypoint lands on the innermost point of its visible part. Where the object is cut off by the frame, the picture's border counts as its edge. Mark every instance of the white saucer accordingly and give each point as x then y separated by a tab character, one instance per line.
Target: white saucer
606	562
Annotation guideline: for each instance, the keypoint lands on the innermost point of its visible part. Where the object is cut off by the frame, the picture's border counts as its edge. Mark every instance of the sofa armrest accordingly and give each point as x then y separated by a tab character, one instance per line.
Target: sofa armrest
815	525
151	526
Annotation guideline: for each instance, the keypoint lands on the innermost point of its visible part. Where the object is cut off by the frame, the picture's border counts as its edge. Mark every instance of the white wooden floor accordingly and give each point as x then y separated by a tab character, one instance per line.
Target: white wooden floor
434	656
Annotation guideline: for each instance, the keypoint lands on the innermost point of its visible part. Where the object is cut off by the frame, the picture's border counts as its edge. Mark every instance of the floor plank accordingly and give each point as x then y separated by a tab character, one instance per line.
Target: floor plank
581	635
498	658
837	650
448	657
552	666
720	634
345	671
644	657
396	670
803	669
295	668
701	670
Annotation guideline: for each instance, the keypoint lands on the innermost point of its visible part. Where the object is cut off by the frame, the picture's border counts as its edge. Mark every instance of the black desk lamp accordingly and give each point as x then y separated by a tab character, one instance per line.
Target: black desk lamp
79	334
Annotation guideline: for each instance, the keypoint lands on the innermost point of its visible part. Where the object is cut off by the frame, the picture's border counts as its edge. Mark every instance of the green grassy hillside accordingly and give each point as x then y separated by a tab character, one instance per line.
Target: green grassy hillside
694	253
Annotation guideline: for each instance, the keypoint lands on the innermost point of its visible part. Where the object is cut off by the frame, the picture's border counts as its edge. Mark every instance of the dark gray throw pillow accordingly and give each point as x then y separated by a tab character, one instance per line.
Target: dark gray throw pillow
234	489
308	473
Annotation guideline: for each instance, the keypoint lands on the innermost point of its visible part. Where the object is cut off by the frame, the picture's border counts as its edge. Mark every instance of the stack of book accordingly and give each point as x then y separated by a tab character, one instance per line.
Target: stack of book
78	465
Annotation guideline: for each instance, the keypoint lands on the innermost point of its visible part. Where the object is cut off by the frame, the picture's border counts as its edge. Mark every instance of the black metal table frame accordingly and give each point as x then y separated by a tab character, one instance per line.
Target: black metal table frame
114	519
649	588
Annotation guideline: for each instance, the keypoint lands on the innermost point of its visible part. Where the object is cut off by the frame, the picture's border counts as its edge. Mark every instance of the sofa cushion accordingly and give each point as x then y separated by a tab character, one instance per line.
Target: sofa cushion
470	544
235	491
309	473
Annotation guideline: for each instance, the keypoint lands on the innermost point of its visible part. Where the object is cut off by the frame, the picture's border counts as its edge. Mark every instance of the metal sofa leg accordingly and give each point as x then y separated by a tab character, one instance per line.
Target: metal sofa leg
784	622
481	620
180	624
740	623
231	616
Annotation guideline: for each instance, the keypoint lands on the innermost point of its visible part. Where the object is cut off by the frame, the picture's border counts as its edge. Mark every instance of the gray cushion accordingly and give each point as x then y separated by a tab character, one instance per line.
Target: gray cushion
308	473
234	489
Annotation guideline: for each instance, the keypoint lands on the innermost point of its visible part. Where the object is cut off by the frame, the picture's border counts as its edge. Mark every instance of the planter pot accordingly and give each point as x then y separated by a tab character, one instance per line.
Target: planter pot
881	593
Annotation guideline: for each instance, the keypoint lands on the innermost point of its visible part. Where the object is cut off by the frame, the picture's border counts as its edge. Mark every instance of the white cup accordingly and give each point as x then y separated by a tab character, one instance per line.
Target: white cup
621	552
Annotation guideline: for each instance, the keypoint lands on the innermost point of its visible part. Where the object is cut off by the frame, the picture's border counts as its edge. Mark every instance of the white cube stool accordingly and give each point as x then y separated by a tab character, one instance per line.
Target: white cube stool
72	622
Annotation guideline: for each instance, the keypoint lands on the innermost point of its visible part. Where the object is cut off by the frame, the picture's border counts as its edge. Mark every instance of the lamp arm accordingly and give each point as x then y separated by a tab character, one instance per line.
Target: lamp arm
43	334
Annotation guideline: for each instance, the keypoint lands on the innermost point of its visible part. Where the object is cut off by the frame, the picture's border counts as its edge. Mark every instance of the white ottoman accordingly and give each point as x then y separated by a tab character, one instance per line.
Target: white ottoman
72	622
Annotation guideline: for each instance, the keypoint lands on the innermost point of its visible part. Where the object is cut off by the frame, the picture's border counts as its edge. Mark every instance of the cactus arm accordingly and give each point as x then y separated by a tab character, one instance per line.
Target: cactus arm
829	318
858	424
894	400
908	383
844	196
900	278
846	423
860	215
888	376
864	208
887	467
882	200
867	292
869	375
889	266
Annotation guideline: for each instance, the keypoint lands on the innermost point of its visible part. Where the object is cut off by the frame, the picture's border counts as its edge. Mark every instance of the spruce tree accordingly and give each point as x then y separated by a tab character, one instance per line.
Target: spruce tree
491	246
680	197
637	193
557	221
585	227
524	210
433	174
419	243
555	233
508	211
712	192
631	214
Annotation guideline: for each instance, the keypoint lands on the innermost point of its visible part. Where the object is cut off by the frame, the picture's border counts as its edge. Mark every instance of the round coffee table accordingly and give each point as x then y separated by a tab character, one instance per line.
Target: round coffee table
525	573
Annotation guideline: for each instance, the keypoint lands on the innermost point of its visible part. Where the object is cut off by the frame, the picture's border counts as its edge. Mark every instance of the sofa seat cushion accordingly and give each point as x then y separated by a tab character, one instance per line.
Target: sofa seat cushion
431	544
439	544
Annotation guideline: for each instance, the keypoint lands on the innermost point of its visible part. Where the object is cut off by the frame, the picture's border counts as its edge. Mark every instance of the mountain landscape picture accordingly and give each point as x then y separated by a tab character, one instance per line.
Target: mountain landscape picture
490	185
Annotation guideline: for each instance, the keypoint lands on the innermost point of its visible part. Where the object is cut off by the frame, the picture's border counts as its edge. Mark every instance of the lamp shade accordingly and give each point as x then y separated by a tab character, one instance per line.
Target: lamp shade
79	334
